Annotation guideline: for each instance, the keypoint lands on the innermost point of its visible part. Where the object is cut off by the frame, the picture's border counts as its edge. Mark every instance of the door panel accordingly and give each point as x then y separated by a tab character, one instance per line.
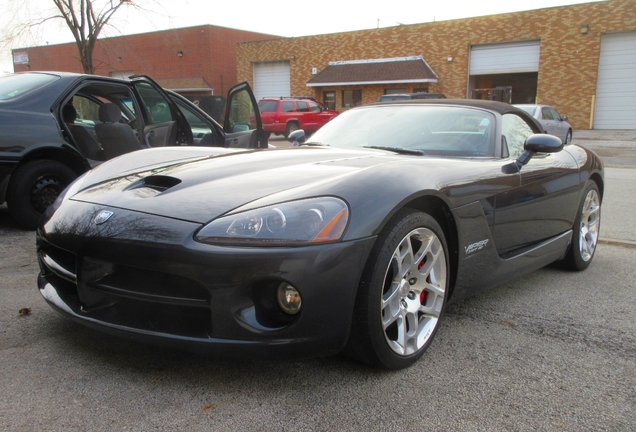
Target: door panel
545	202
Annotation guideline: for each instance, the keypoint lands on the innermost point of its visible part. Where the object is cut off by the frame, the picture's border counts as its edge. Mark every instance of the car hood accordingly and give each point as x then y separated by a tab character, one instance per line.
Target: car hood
202	187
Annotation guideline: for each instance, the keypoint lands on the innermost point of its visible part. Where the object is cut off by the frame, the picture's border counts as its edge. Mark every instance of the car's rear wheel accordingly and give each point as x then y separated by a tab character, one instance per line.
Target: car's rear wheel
585	230
291	127
34	187
402	292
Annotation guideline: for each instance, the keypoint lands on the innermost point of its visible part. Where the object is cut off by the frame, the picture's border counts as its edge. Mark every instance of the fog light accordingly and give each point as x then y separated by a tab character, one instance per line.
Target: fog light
289	298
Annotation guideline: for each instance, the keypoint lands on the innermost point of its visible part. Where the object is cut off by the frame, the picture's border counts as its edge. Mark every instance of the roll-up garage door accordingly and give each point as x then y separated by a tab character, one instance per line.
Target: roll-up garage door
616	85
271	79
512	57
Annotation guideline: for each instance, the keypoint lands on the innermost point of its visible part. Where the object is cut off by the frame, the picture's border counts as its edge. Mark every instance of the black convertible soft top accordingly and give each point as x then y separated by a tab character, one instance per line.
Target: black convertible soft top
498	107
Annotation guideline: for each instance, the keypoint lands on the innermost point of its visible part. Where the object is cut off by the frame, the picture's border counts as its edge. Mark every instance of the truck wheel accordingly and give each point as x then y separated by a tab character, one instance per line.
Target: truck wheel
34	187
291	127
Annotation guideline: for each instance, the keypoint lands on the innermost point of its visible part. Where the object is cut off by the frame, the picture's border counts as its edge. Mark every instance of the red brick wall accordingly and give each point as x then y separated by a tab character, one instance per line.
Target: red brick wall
568	60
208	52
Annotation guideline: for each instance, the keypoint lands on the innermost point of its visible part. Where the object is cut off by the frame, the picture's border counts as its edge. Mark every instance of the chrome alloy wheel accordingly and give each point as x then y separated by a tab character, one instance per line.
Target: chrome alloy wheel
590	219
414	290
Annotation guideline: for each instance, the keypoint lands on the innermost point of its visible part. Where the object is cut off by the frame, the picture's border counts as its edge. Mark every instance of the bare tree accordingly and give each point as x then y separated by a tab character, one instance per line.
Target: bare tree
85	18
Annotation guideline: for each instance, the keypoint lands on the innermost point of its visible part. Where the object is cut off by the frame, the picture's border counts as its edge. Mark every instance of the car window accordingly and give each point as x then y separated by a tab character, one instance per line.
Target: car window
314	106
447	131
268	106
87	110
13	86
241	115
516	131
198	126
156	105
555	115
302	106
546	113
287	106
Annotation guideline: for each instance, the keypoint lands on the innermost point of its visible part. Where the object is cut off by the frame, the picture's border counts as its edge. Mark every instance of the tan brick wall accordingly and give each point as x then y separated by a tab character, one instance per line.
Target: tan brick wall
568	63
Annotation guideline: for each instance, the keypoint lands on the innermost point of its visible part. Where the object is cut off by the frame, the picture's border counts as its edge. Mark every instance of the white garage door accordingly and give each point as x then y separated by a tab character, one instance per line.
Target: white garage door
513	57
616	86
271	79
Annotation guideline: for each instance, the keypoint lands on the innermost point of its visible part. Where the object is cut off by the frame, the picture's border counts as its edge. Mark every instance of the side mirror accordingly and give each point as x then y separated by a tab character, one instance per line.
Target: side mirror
297	137
543	143
538	143
240	127
564	118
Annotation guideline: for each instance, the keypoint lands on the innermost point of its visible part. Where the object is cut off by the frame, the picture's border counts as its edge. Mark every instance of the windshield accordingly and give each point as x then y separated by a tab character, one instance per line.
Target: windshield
434	130
13	86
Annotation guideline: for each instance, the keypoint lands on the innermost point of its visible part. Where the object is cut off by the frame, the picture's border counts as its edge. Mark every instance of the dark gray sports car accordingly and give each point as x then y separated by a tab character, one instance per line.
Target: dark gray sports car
355	240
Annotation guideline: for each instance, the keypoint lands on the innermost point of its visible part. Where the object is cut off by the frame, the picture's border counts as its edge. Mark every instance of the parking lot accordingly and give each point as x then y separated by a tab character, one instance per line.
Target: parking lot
552	351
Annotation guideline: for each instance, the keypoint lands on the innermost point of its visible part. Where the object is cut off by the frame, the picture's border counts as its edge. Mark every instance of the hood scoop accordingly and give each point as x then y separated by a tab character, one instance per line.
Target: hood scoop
152	185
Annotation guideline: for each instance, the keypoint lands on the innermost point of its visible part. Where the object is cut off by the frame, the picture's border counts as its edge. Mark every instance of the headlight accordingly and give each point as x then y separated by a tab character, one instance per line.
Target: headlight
315	220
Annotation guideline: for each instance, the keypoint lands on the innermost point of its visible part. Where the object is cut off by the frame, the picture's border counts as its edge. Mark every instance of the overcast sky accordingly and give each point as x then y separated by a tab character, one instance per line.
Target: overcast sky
285	17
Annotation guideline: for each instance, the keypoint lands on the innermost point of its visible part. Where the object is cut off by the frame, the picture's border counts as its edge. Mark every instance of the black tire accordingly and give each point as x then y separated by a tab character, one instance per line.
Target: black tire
291	127
394	293
568	137
585	230
35	186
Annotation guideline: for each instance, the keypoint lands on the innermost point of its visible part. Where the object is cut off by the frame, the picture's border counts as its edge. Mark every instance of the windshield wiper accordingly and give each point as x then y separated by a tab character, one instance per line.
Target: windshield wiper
399	150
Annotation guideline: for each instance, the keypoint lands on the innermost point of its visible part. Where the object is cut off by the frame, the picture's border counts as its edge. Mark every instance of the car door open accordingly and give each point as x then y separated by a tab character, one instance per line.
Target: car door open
242	126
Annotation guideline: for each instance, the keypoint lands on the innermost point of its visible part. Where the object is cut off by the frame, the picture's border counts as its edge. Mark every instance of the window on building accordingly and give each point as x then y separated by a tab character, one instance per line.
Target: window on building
420	89
351	98
394	91
329	98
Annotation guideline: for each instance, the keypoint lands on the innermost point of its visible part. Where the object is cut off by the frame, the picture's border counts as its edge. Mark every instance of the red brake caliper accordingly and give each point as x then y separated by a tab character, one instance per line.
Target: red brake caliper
428	280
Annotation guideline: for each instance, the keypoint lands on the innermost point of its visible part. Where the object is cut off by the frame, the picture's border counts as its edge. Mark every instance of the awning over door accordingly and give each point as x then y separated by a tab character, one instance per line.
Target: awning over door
503	58
399	70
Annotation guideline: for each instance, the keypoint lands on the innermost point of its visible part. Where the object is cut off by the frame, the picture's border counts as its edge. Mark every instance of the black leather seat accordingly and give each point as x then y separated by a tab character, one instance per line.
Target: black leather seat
86	143
116	138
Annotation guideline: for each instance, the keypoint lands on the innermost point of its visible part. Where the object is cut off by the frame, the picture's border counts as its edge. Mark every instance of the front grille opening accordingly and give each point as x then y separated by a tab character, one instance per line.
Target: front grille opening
155	286
156	317
58	261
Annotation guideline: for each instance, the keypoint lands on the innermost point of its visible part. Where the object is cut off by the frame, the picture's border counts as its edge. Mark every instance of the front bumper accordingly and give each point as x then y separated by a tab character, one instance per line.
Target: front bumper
144	277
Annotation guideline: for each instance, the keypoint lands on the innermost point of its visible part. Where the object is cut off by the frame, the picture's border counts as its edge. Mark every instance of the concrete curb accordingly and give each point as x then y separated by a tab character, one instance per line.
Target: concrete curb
615	242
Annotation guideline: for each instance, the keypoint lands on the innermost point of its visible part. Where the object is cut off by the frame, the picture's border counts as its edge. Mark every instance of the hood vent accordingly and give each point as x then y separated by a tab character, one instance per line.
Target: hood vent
152	185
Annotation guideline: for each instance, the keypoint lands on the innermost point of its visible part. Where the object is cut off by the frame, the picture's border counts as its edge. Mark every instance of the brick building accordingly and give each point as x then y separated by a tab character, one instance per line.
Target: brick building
195	61
580	59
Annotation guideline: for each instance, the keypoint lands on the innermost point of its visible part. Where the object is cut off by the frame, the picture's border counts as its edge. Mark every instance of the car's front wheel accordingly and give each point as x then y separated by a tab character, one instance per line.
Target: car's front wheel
585	230
568	137
34	187
402	292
